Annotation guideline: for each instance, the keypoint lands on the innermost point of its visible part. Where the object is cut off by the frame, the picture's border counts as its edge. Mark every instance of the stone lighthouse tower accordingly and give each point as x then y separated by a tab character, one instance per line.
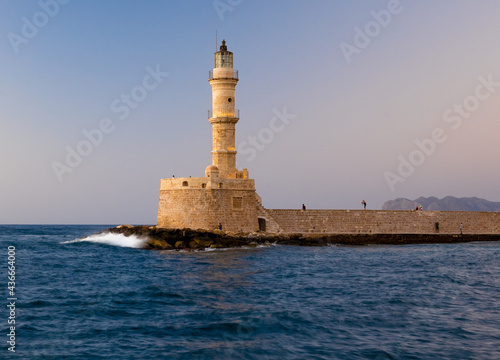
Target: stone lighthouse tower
225	196
223	116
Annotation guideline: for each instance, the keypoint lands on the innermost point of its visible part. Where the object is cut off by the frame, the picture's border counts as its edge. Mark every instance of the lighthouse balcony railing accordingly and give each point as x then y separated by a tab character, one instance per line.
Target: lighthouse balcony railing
211	75
235	114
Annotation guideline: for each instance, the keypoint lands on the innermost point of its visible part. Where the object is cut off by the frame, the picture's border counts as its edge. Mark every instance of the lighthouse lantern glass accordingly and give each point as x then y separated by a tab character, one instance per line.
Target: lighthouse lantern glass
223	60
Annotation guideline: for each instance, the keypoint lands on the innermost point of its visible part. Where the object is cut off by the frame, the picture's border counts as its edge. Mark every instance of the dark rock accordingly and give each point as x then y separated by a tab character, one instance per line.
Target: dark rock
180	244
176	239
203	242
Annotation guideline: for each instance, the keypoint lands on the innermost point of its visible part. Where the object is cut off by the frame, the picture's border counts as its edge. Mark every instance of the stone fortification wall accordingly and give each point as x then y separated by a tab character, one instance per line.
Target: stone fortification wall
203	203
271	225
387	222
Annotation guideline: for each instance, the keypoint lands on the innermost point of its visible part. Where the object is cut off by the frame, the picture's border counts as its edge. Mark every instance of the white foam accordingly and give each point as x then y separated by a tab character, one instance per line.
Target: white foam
131	241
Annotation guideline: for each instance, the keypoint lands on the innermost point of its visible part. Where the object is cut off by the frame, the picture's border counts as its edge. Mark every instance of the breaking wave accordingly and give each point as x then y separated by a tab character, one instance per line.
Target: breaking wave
131	241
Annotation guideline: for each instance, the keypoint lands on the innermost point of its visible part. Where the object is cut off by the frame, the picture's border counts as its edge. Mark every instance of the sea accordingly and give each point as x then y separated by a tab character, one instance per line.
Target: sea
75	295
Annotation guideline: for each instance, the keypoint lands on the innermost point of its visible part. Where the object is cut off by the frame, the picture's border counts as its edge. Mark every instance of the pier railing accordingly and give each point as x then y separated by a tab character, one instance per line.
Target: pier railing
211	75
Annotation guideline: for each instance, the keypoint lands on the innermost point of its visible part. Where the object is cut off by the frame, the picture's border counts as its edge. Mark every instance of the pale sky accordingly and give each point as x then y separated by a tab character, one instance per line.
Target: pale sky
370	87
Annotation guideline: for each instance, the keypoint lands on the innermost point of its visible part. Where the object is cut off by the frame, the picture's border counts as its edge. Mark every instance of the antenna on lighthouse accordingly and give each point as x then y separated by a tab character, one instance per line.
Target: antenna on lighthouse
216	42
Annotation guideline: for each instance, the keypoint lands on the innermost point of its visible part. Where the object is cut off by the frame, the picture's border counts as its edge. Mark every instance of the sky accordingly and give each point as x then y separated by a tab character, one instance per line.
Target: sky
344	101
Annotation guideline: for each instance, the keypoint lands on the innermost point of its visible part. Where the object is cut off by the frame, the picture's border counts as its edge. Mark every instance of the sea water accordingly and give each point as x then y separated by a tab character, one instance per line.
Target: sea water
103	297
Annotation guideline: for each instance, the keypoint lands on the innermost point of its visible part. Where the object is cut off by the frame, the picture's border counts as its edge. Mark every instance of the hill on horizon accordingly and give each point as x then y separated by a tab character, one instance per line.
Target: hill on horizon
448	203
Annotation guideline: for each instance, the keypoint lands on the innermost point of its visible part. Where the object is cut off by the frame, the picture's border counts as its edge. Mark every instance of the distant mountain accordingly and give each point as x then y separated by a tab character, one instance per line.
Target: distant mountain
448	203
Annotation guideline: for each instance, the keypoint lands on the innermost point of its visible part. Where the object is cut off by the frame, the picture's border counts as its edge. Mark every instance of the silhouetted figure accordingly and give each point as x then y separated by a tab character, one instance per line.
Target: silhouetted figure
364	204
303	207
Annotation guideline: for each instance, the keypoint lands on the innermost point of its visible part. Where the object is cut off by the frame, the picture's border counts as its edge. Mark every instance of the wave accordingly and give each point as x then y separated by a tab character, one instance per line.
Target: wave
131	241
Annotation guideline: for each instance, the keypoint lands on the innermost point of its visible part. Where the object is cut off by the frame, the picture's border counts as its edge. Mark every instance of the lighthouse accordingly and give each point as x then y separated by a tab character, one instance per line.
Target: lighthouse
223	116
225	195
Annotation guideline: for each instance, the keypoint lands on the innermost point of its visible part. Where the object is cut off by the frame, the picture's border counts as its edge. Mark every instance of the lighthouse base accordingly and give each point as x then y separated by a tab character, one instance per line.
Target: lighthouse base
208	203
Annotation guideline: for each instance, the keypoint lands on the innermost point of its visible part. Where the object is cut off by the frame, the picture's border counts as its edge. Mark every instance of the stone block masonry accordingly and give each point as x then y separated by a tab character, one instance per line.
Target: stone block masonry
385	222
204	203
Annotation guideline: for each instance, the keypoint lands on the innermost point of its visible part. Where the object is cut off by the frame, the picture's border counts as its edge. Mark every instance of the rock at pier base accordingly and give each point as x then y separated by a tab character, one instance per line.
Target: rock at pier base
177	239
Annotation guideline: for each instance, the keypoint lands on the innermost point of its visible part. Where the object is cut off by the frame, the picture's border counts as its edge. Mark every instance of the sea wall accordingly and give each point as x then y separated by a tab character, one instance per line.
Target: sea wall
385	222
195	240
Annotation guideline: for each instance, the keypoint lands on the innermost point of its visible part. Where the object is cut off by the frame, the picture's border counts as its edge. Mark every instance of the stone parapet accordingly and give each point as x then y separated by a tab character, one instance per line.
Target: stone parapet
385	222
191	183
